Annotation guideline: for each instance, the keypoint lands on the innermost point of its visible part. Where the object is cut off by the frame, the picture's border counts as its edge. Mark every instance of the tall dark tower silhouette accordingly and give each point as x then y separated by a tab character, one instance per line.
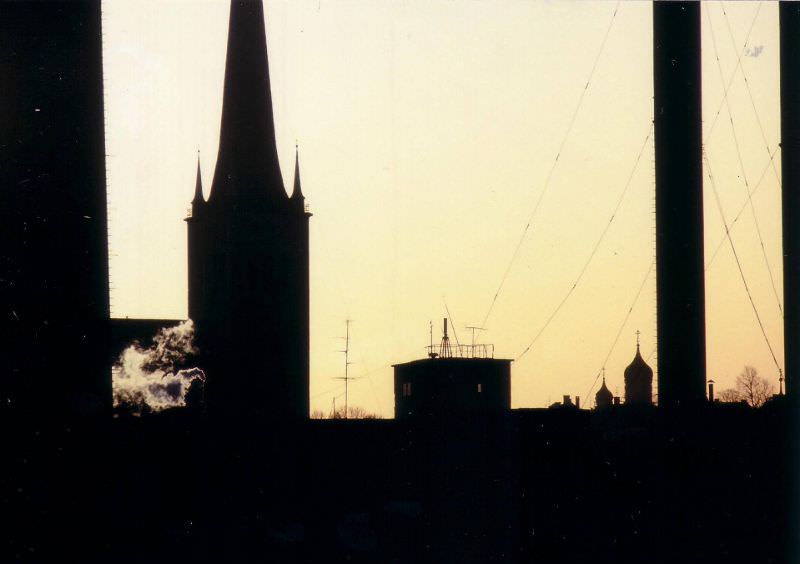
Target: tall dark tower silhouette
680	279
790	173
248	247
54	295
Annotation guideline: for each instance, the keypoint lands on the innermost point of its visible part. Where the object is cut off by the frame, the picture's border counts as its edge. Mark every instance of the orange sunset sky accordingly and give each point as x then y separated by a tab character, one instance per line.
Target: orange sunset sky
428	132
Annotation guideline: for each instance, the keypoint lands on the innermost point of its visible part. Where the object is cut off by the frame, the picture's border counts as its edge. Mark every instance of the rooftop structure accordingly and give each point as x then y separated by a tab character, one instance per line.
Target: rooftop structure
452	380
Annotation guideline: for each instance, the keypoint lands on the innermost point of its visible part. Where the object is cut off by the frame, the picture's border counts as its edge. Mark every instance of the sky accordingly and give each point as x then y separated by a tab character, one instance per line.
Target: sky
430	134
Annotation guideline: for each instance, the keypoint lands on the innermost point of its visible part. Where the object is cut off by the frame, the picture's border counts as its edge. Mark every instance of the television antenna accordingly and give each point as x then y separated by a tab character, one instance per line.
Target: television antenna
473	329
431	352
347	364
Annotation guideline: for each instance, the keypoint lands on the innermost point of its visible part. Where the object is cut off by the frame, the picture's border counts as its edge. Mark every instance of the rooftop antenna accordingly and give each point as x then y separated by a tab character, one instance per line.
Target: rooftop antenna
444	348
347	364
473	329
431	352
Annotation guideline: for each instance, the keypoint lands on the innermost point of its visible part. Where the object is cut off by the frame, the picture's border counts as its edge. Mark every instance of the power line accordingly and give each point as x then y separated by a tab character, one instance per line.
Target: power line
621	328
367	374
750	92
553	166
733	76
741	162
738	263
328	391
596	245
741	210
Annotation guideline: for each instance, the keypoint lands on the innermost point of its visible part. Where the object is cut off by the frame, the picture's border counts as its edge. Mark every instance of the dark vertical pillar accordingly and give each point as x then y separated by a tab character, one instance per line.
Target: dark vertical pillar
790	171
54	296
679	203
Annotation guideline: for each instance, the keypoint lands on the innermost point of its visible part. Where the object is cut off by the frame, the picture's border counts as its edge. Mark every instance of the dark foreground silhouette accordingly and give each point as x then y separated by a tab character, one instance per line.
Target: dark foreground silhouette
705	484
557	485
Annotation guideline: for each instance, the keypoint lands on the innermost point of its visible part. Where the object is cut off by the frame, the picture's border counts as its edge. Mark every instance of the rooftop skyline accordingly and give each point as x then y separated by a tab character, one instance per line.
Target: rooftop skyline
453	116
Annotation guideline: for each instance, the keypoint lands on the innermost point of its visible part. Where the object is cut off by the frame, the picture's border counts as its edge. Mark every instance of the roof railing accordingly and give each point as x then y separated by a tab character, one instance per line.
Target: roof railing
461	351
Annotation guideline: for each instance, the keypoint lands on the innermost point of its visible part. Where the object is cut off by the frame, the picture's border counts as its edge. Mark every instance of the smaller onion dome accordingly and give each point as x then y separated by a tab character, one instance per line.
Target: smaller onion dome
603	398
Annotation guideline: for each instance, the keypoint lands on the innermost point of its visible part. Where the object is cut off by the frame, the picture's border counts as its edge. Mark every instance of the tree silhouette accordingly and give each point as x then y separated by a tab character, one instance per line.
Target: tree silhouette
750	387
729	396
353	412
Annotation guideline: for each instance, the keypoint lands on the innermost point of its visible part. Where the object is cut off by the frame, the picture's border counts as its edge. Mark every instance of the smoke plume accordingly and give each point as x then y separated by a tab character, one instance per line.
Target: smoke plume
151	379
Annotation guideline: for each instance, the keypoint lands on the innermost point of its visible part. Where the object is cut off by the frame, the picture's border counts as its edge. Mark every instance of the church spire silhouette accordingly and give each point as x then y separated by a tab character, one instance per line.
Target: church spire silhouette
297	190
198	186
247	170
248	249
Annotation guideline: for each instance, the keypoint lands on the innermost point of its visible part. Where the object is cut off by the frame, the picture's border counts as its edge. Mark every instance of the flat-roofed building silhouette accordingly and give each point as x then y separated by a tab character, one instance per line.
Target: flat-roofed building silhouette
448	386
453	380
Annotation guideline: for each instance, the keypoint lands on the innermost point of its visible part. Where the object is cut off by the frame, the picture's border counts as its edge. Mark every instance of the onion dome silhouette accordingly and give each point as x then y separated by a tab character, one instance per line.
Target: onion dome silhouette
638	380
603	398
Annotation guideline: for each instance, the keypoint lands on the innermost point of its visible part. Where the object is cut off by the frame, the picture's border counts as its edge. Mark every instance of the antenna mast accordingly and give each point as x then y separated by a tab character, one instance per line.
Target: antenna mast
473	329
347	363
444	349
431	354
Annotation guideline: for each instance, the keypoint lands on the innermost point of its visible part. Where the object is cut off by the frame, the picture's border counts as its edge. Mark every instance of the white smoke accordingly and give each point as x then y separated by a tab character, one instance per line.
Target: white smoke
148	379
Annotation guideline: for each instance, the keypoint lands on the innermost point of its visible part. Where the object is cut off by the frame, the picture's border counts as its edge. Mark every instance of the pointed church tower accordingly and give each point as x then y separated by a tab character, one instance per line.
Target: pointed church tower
198	201
297	190
248	248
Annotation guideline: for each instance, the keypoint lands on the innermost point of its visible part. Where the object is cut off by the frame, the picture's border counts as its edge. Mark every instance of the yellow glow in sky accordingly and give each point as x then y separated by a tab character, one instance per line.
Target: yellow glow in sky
427	131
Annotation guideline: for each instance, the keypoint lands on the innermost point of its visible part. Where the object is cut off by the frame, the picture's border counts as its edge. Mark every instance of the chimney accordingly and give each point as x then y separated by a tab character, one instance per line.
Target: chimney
711	391
679	203
578	402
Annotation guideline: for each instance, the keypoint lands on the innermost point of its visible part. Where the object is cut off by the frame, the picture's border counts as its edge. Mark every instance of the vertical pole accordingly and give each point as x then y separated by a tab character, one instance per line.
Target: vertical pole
790	172
790	194
679	203
346	364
